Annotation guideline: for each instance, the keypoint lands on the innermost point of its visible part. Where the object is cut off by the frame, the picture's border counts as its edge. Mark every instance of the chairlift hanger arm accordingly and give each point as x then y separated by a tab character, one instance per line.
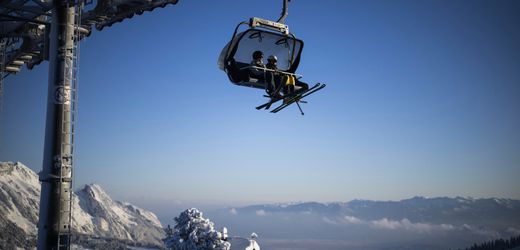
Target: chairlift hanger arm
284	11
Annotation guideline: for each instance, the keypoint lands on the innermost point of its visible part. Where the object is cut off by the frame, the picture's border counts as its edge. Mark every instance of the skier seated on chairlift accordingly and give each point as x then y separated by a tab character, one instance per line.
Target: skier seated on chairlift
277	81
273	78
258	62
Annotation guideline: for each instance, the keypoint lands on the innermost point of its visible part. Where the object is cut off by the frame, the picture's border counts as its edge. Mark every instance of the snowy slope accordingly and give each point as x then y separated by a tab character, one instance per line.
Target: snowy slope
94	212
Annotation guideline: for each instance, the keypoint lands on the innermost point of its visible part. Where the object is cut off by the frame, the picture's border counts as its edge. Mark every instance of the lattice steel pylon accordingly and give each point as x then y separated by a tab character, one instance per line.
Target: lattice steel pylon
38	30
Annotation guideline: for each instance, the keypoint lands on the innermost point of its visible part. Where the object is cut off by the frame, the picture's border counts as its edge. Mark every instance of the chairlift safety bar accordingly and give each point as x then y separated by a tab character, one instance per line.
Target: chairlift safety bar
298	76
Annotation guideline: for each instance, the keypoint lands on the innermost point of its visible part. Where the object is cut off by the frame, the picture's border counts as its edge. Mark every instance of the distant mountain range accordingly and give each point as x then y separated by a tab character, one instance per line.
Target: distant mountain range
416	223
96	220
491	212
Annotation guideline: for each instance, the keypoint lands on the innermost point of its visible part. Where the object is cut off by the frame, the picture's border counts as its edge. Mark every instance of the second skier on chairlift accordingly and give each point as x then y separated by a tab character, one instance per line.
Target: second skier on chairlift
273	78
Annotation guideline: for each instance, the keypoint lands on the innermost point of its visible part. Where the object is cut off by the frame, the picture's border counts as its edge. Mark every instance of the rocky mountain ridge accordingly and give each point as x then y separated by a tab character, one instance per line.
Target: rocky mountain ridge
95	214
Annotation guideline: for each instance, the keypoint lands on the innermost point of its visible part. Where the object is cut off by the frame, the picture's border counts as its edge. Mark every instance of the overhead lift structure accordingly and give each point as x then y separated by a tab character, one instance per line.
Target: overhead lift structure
32	31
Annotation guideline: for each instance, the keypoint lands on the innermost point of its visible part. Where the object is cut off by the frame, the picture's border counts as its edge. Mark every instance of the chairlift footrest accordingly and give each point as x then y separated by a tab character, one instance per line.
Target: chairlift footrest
299	96
270	102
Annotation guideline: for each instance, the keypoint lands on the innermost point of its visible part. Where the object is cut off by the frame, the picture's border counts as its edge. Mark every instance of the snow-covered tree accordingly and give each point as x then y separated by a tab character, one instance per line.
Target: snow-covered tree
193	232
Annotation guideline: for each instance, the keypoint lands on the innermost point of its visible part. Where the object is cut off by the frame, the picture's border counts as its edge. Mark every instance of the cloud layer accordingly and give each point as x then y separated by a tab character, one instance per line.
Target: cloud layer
388	224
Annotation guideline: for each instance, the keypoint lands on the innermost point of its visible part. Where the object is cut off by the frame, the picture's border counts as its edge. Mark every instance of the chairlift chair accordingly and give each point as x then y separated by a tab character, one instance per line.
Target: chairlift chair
236	56
271	38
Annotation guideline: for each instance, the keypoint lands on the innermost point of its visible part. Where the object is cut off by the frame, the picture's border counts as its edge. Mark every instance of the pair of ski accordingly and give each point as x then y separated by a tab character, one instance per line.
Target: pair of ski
292	98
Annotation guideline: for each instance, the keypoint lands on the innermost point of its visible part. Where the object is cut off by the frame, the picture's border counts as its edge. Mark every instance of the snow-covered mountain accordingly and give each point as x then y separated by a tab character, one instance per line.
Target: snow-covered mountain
95	214
19	205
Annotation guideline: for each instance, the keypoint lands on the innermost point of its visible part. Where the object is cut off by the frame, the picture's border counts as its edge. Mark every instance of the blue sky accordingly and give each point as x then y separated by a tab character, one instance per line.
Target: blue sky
422	98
